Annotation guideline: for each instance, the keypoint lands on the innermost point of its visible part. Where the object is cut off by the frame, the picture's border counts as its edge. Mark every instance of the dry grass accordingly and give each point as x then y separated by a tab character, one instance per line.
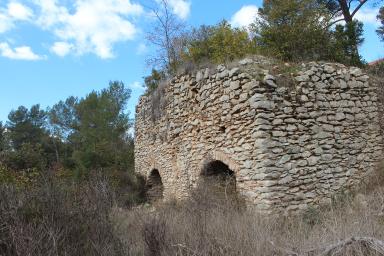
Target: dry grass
58	219
61	219
158	101
204	226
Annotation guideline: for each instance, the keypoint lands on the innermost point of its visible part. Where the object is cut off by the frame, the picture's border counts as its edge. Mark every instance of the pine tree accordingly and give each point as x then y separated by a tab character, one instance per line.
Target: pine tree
293	29
380	17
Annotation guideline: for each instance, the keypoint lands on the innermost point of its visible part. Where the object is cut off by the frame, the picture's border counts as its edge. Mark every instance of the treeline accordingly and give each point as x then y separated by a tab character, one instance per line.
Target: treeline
78	135
289	30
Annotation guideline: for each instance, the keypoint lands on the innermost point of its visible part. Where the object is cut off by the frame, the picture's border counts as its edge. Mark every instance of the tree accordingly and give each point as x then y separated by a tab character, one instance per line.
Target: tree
63	119
345	39
293	29
30	141
380	17
217	44
26	157
346	10
198	44
153	80
26	126
166	34
96	127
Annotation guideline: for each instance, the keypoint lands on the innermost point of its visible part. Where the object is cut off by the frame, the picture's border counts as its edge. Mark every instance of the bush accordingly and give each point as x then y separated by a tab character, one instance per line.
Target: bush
27	157
19	179
376	70
56	219
217	44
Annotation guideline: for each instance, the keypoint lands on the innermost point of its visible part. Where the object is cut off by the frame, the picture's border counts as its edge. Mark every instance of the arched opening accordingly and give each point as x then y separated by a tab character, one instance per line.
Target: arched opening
218	180
154	186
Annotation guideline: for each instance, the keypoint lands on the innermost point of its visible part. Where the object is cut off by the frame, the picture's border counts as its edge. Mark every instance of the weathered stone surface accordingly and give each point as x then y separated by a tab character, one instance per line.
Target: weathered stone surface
289	147
245	61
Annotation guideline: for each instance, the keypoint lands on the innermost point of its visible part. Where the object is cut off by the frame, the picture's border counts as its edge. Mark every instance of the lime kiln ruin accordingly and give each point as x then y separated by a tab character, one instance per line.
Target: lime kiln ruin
291	136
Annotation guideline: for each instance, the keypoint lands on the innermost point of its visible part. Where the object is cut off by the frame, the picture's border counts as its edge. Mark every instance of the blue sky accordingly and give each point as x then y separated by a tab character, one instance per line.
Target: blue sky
52	49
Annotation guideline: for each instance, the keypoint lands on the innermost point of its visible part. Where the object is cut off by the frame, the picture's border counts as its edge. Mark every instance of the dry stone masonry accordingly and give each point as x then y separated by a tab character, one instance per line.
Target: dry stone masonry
291	140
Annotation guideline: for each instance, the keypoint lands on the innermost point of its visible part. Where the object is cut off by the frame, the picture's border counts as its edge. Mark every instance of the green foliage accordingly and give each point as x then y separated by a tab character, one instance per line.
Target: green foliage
293	29
2	137
75	134
27	157
350	34
26	126
27	143
345	40
217	44
380	17
296	30
96	128
21	179
153	80
331	5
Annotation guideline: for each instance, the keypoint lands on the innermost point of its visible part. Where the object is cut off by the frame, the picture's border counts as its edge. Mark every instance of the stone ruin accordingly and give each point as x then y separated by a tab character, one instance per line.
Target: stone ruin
290	136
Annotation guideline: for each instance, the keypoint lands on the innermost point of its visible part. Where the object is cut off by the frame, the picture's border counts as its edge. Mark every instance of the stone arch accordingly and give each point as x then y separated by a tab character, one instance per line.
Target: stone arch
220	156
218	175
154	186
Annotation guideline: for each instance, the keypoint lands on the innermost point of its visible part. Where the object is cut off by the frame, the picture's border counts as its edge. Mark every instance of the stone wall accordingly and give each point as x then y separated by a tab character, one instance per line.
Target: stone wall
292	135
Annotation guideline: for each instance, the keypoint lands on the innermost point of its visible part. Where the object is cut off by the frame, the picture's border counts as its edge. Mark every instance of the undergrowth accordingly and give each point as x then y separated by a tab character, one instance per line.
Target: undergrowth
203	225
62	218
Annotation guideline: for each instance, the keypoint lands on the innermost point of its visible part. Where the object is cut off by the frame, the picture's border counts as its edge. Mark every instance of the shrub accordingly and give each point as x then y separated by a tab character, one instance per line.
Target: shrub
217	44
20	179
158	101
376	70
56	219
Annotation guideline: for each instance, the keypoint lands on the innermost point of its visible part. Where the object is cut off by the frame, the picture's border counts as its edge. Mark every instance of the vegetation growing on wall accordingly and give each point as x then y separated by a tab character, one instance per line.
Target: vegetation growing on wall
217	44
292	30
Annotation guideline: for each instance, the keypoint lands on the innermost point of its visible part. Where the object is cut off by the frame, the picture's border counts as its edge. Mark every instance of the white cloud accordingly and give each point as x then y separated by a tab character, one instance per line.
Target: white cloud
141	49
93	26
82	26
365	15
136	85
245	16
181	8
19	11
13	12
50	13
5	23
368	16
18	53
61	48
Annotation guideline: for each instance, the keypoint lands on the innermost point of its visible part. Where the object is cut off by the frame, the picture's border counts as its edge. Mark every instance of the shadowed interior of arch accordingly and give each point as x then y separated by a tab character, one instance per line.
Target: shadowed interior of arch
218	178
154	186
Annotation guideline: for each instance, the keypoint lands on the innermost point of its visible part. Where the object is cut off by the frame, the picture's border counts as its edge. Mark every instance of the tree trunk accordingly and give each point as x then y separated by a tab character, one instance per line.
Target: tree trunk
348	18
345	10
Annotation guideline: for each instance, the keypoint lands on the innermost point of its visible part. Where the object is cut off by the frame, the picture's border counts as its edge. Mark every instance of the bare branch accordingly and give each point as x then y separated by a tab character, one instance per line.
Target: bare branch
166	28
334	22
362	2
